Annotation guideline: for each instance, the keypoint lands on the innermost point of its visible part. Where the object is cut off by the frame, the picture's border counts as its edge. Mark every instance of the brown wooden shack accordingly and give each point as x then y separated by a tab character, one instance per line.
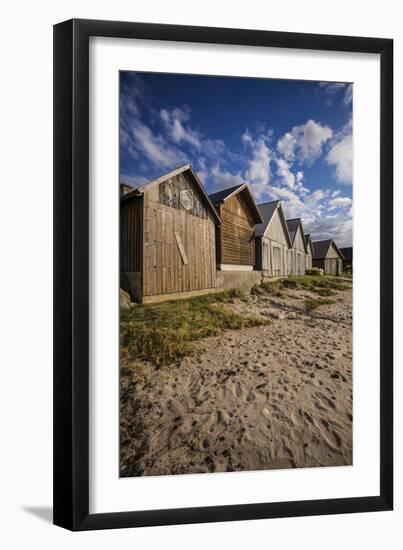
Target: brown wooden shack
327	256
272	242
299	249
167	237
235	237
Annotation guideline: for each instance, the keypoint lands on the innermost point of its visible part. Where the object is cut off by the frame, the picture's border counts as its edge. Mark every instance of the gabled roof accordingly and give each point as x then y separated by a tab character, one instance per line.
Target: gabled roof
267	211
293	229
347	252
185	168
320	249
222	196
125	188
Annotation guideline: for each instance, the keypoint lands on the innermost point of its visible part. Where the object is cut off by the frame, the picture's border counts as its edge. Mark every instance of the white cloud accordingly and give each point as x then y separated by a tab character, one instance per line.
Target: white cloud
246	137
174	120
292	203
348	95
258	171
315	196
155	147
340	202
340	157
214	148
286	145
339	228
284	171
134	180
223	178
331	87
304	143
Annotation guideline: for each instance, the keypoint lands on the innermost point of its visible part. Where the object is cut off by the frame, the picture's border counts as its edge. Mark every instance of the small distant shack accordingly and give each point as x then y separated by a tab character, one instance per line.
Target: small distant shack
299	249
167	237
309	255
235	237
272	241
327	256
348	259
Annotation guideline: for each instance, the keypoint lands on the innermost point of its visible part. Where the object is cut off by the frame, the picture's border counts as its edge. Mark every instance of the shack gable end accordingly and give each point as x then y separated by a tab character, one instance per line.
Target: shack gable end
298	243
180	192
237	208
236	235
275	230
332	252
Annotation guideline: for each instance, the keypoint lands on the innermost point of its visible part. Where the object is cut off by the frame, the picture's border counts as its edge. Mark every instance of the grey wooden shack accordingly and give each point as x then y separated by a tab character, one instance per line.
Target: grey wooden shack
298	249
327	256
167	237
272	241
309	255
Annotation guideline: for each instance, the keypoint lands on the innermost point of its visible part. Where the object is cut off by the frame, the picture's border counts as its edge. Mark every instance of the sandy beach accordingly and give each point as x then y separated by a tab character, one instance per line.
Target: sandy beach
265	397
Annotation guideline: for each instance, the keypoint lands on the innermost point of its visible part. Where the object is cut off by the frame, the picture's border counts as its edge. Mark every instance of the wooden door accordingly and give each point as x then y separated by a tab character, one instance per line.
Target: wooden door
276	261
331	266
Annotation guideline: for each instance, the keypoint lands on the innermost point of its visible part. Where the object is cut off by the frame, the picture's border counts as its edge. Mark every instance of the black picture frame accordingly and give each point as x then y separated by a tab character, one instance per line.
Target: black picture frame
71	274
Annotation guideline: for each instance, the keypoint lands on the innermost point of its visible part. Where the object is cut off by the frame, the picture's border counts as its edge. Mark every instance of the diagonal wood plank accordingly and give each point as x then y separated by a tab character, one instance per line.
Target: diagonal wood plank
181	248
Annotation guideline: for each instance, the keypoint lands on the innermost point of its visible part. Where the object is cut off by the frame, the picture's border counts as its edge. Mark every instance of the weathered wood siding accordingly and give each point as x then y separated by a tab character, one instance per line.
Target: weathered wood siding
332	264
131	234
308	260
179	241
235	237
332	252
272	249
298	254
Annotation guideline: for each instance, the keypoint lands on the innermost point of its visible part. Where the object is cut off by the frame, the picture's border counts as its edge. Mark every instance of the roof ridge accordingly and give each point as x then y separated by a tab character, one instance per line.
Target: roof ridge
268	202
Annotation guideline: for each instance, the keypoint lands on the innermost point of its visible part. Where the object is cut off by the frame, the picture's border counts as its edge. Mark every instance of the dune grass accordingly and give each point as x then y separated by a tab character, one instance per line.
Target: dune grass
167	331
323	286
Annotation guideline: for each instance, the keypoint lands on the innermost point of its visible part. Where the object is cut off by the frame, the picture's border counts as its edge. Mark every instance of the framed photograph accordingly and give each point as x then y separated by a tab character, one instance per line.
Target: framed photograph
223	274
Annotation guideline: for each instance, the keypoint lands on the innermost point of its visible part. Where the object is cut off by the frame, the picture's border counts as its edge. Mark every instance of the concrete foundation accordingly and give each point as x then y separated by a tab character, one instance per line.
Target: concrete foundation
225	280
177	295
243	280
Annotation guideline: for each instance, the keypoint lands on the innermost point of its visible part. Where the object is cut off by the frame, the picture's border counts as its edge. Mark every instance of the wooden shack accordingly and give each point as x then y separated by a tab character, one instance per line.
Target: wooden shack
298	249
167	237
327	256
309	255
235	237
348	259
272	241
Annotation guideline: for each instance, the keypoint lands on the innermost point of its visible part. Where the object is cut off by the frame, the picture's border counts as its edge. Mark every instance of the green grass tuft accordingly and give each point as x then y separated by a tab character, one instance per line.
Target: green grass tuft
165	332
272	287
324	286
324	291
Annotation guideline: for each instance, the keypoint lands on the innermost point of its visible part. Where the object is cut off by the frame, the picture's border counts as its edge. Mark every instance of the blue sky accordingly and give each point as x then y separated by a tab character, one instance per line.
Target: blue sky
288	139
